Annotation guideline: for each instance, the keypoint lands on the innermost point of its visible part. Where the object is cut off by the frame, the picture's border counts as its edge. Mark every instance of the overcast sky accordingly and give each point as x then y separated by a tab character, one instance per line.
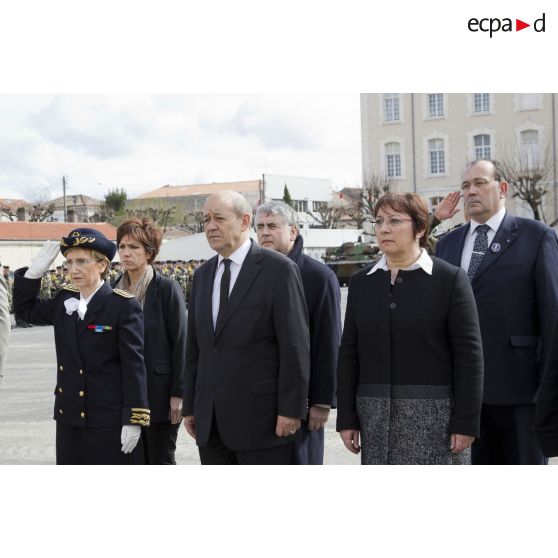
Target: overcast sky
141	142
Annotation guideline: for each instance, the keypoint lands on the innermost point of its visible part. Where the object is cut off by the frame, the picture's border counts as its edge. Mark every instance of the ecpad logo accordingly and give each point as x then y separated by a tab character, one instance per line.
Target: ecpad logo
493	25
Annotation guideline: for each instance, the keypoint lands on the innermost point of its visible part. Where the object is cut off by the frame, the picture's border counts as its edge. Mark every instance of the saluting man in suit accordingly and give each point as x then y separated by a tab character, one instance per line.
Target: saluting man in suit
512	263
248	346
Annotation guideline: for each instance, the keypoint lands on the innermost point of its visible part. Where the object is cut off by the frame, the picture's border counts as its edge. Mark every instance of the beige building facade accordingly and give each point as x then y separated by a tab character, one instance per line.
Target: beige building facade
422	141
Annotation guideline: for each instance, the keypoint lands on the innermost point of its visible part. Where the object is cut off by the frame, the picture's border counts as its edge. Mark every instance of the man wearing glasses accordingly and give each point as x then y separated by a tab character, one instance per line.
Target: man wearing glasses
512	263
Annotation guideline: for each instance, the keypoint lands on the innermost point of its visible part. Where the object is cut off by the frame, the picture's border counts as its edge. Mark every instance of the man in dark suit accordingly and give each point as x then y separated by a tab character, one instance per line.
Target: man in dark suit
277	229
248	345
512	263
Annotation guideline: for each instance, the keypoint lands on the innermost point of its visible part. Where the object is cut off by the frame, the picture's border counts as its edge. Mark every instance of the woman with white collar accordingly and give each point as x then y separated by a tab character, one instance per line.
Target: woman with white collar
101	390
410	364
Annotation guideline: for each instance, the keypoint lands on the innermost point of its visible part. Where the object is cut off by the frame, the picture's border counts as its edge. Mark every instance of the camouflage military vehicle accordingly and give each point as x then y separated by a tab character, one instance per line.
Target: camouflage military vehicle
348	258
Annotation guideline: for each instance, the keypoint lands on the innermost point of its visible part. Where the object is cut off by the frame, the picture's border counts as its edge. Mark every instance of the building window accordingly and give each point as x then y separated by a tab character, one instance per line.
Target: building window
481	102
435	105
319	206
529	101
393	159
391	107
436	156
482	146
300	205
530	149
435	201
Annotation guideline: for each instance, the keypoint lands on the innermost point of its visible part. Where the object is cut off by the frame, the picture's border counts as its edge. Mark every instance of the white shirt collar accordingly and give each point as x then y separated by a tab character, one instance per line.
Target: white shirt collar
239	255
494	222
424	262
88	299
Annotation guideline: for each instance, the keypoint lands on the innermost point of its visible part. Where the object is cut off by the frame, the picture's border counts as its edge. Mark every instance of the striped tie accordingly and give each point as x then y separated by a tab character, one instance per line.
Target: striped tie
480	248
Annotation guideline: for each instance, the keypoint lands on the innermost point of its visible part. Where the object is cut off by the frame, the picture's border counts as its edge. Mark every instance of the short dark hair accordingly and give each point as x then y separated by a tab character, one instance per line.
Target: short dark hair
143	230
413	205
499	174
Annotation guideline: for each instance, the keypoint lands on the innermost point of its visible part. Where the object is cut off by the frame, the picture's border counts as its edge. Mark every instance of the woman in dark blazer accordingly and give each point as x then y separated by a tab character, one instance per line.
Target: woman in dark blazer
410	364
164	310
101	388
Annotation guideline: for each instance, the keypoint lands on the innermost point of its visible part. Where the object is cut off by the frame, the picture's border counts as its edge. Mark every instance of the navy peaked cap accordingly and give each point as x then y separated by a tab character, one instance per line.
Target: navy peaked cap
89	239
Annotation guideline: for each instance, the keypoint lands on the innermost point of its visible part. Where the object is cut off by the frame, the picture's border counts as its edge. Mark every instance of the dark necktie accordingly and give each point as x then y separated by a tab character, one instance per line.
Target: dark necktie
480	247
225	287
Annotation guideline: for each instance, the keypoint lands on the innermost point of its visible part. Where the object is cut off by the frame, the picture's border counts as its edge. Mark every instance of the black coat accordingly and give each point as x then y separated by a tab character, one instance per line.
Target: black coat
323	299
256	365
164	314
516	291
101	378
422	332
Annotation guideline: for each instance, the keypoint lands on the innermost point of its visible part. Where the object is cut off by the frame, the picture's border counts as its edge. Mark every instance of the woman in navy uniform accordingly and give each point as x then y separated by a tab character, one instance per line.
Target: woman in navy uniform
164	310
101	389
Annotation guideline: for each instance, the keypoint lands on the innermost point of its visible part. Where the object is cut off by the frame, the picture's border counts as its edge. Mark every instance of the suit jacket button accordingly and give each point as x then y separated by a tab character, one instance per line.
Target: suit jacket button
81	371
60	390
61	368
81	393
392	305
61	411
82	414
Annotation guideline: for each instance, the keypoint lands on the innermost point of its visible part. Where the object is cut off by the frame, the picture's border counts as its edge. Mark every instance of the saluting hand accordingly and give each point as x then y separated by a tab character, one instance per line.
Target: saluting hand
447	208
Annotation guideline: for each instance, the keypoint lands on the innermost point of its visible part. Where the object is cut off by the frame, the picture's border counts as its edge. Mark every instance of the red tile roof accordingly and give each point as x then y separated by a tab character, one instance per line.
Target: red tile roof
200	189
24	230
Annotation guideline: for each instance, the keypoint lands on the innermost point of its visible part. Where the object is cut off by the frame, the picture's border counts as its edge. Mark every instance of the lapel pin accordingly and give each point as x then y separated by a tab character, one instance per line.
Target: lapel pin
495	247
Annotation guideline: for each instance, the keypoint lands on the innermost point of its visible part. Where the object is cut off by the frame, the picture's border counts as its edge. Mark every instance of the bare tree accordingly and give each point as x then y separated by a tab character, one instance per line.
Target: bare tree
161	215
359	205
42	212
526	169
326	216
193	221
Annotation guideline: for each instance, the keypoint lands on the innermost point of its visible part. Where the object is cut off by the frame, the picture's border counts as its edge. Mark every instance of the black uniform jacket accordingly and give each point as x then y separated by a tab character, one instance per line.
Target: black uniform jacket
164	314
423	330
101	379
323	299
256	364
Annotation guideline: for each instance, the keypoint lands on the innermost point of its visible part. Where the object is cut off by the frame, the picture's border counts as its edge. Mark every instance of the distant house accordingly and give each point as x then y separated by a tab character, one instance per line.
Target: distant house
21	240
13	209
79	208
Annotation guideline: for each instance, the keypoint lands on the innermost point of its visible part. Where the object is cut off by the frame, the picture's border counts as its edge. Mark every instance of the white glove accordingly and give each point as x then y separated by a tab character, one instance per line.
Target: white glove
130	437
43	259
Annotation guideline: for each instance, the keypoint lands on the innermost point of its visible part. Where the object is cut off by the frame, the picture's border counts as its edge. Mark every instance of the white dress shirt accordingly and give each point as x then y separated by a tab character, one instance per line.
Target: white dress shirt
83	302
494	223
237	259
423	262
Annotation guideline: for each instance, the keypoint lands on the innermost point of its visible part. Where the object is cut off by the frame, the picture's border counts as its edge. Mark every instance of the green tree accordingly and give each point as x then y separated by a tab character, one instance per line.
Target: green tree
287	196
115	200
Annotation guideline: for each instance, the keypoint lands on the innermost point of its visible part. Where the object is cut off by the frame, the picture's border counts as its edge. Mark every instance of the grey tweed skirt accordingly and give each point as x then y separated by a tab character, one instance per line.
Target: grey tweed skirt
406	425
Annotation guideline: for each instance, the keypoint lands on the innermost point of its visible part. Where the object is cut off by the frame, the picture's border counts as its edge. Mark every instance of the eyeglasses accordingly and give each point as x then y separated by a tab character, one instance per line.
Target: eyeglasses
78	262
392	222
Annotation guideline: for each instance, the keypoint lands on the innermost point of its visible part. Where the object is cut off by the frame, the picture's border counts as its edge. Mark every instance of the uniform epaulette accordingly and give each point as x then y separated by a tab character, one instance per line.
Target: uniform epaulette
123	293
140	416
70	287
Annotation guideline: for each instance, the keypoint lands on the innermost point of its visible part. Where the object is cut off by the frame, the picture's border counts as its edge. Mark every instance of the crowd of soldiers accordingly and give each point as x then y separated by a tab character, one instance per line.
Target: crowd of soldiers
53	280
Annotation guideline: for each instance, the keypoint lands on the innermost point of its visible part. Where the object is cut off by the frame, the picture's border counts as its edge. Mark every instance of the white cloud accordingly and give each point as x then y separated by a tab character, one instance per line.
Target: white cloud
140	142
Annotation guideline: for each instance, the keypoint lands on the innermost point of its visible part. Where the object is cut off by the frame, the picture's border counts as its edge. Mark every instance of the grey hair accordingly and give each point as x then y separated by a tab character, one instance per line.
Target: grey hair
290	216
